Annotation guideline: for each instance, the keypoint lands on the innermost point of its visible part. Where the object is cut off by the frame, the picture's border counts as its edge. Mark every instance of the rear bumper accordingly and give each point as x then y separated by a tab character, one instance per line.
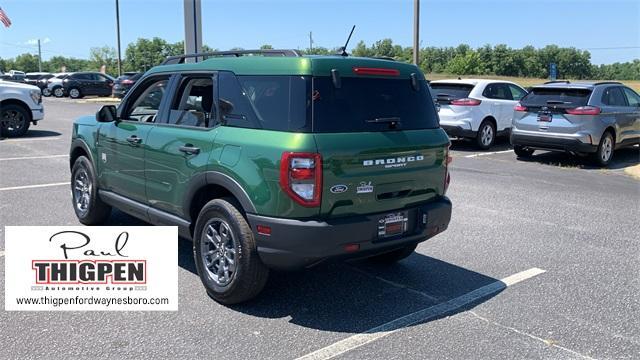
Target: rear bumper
458	131
298	243
552	143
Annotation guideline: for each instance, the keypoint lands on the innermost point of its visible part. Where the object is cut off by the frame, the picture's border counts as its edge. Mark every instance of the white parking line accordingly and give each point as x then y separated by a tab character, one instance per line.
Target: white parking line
1	253
488	153
423	315
34	139
34	157
33	186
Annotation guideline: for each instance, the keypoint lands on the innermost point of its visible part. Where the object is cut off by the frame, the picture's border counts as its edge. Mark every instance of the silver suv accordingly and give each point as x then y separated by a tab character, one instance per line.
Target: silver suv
580	118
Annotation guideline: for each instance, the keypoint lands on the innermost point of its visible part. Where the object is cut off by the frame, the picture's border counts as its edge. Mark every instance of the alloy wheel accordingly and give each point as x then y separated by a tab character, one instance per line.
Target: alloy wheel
13	121
219	251
607	149
74	93
486	136
82	190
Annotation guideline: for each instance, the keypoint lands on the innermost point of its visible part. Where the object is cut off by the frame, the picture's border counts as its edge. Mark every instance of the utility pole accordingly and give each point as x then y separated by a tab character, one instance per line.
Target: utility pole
416	28
118	36
39	57
310	41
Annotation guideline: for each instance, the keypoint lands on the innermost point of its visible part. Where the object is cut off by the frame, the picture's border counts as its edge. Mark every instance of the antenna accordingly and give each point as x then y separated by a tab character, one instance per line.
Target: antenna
343	50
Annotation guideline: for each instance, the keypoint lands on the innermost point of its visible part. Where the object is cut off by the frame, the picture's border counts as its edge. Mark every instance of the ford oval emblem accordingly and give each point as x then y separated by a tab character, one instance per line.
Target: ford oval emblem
339	189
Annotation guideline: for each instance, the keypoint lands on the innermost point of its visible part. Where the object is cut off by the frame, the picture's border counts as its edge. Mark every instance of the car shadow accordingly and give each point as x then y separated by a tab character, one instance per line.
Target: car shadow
622	158
31	133
467	145
351	296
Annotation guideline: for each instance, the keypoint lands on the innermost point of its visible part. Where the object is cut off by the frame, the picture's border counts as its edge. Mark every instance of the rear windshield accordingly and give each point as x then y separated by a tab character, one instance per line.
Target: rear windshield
543	96
449	90
371	104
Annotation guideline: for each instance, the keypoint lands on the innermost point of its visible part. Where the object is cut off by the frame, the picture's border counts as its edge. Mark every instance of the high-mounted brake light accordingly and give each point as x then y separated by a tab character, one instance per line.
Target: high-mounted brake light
301	177
584	110
375	71
466	102
519	107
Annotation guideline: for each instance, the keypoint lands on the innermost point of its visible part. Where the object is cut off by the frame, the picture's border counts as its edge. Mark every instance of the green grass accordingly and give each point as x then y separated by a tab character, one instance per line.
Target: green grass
634	84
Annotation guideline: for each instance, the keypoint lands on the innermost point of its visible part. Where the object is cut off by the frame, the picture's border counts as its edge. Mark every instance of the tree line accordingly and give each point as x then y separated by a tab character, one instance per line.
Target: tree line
500	59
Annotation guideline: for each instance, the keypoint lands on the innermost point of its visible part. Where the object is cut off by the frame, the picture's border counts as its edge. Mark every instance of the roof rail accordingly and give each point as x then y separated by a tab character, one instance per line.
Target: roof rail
607	82
558	82
179	59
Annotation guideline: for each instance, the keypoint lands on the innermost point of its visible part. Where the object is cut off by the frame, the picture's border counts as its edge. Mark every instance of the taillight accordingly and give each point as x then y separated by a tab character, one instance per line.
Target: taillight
520	108
375	71
584	110
447	178
466	102
301	177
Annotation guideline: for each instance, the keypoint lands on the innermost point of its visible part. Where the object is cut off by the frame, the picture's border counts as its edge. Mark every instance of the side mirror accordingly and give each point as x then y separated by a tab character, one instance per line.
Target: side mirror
107	113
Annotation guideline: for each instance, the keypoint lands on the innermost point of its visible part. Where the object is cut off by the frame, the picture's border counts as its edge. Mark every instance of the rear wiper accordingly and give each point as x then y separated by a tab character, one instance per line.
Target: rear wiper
390	120
558	102
443	95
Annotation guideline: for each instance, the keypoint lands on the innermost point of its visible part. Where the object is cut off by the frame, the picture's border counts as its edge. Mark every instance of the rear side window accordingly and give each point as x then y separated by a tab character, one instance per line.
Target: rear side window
632	98
370	104
570	97
193	105
264	102
613	96
516	92
444	91
497	91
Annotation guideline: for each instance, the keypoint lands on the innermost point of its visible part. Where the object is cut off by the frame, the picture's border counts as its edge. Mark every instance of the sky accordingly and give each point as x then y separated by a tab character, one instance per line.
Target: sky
609	29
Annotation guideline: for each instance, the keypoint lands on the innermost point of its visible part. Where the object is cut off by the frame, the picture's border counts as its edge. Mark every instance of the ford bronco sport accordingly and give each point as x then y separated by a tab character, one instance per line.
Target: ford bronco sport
269	159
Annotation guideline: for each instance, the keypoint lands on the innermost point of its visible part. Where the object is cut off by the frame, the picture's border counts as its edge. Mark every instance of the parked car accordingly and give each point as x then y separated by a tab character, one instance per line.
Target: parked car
123	83
37	79
257	176
81	84
20	106
54	85
580	118
476	109
14	76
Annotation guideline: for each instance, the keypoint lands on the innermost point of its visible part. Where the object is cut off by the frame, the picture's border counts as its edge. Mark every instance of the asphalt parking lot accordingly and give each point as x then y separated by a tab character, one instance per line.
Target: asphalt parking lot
540	261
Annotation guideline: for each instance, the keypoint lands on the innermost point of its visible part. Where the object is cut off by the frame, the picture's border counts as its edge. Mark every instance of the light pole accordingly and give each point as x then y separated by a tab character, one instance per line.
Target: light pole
416	28
39	57
118	36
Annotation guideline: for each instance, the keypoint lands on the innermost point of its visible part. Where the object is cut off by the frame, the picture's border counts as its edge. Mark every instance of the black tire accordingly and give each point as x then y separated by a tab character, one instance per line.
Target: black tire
604	154
488	126
395	255
14	120
46	92
96	211
249	275
522	152
58	91
73	94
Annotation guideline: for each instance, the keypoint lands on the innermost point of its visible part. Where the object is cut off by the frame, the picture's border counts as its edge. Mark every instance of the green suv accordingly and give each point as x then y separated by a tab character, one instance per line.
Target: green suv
269	159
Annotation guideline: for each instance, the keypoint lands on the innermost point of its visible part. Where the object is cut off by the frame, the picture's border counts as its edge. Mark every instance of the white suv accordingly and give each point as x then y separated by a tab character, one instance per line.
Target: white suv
479	109
20	106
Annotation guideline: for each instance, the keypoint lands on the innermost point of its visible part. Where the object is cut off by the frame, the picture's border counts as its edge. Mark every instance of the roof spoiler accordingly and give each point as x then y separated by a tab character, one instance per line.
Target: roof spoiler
179	59
558	82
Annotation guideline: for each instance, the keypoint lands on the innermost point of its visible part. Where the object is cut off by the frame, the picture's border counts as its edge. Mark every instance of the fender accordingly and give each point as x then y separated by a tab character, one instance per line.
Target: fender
220	179
79	143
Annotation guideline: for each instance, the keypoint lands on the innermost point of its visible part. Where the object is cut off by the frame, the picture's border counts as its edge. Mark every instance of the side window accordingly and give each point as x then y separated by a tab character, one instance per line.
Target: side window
632	98
193	105
497	91
613	96
516	92
146	102
235	107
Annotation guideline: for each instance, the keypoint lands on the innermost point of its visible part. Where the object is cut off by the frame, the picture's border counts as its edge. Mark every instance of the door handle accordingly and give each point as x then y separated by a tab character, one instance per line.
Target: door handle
134	140
189	149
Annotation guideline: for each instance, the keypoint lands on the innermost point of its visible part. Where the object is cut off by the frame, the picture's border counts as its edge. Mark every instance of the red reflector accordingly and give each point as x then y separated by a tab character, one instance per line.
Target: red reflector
352	247
302	174
264	230
376	71
466	102
520	108
584	110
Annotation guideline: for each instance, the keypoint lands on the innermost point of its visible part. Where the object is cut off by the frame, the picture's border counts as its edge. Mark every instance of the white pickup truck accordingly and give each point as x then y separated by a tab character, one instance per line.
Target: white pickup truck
20	106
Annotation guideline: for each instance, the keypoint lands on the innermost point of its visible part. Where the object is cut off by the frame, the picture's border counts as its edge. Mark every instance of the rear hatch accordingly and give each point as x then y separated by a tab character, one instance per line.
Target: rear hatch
446	93
381	145
555	109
